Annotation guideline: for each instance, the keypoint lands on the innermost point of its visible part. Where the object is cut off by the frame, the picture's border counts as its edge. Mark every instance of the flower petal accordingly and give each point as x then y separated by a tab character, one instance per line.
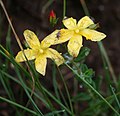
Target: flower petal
29	53
70	23
54	55
57	37
74	45
84	22
40	64
92	35
49	40
31	39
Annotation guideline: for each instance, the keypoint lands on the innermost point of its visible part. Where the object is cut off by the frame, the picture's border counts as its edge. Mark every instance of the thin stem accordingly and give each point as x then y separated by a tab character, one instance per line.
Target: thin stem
57	101
109	98
68	94
18	105
101	46
55	84
104	53
93	90
64	8
16	36
27	92
19	43
106	69
75	93
85	7
113	91
39	86
49	2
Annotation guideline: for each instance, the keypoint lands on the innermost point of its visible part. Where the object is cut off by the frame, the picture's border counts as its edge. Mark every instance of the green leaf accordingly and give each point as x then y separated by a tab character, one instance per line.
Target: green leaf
54	112
83	68
84	52
81	97
94	26
89	73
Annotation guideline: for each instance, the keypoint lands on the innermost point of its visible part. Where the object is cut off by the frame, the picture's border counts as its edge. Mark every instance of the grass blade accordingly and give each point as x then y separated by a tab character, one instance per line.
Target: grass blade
17	105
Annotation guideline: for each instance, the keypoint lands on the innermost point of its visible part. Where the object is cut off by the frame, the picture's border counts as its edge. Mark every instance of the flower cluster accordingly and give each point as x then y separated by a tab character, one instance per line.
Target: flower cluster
73	33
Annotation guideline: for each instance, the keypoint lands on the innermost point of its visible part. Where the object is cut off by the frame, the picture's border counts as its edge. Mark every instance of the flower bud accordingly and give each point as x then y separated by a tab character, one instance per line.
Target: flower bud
52	18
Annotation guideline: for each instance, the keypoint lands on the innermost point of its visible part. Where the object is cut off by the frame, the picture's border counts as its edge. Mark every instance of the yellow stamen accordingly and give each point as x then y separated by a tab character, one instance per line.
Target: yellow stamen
41	51
68	23
77	30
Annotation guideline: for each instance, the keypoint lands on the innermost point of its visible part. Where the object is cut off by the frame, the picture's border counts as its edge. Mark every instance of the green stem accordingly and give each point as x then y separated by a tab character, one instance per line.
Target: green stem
75	93
10	23
18	105
68	94
18	41
107	73
57	101
39	86
81	78
49	2
85	7
100	44
55	84
113	91
64	8
104	53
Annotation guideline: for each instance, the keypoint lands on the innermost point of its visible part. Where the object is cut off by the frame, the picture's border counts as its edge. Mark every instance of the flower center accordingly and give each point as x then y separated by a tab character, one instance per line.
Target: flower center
41	51
68	23
77	30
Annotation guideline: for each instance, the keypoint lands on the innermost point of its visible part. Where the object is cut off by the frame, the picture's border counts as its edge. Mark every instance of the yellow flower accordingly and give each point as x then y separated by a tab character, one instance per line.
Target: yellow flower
39	51
74	33
78	30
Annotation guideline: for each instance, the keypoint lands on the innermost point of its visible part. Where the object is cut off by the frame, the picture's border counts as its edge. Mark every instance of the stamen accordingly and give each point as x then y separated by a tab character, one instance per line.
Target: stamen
68	23
41	51
77	30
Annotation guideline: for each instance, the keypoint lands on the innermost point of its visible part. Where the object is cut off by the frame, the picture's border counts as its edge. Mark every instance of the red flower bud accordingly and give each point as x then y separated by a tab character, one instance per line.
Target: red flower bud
52	18
52	14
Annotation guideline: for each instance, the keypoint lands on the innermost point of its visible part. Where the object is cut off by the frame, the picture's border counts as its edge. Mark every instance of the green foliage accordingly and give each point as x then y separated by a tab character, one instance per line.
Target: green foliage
94	26
57	95
53	21
46	96
84	52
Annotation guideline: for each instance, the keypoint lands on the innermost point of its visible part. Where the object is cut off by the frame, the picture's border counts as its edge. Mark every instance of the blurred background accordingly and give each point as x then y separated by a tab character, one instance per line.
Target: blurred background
34	15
